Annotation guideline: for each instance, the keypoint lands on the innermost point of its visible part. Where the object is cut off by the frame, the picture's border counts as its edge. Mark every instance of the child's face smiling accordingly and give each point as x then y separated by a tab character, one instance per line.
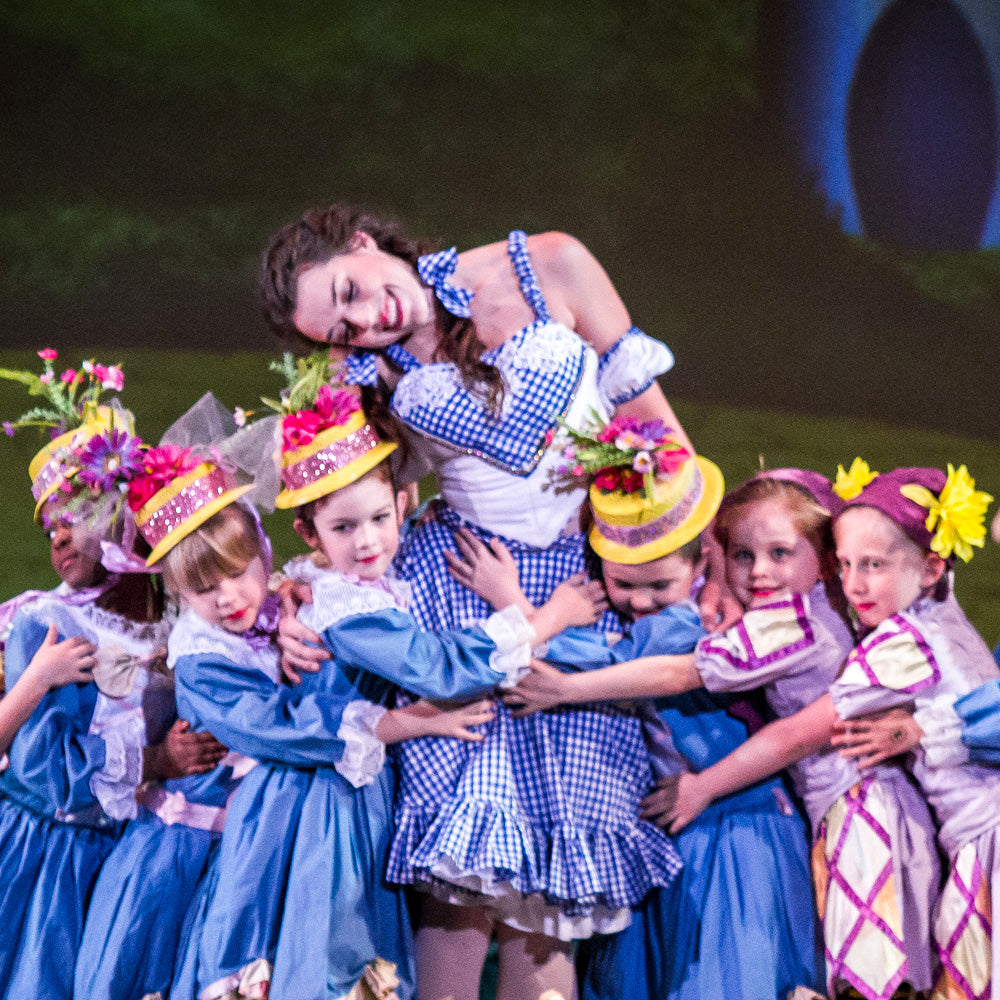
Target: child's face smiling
232	602
357	527
646	588
766	554
882	571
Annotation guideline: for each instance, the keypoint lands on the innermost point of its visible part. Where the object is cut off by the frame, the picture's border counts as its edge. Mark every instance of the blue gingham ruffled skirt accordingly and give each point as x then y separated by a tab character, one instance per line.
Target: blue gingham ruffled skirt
544	806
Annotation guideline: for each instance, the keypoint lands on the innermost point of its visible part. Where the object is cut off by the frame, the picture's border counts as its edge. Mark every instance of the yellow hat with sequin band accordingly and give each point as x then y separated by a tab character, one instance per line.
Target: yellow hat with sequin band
650	495
326	440
72	411
176	492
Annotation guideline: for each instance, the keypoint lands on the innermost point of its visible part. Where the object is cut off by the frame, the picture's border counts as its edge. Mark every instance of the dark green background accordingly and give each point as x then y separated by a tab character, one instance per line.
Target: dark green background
150	146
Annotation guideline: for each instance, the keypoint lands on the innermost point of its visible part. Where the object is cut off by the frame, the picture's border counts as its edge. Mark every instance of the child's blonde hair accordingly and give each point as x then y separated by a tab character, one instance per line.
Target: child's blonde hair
223	546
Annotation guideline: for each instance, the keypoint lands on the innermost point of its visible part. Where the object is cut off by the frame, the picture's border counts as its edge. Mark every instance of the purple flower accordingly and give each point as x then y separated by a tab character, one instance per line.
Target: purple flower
109	458
8	428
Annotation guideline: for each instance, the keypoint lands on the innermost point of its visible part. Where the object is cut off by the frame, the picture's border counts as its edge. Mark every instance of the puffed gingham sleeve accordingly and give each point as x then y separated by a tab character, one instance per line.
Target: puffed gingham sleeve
891	667
53	756
776	640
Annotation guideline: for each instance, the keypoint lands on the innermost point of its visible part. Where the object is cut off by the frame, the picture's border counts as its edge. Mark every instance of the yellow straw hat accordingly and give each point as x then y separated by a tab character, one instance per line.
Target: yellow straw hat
632	528
178	493
57	461
650	495
334	458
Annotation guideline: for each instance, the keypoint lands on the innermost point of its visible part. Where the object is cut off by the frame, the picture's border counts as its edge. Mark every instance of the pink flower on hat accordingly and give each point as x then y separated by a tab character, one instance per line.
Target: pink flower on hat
299	429
334	407
161	467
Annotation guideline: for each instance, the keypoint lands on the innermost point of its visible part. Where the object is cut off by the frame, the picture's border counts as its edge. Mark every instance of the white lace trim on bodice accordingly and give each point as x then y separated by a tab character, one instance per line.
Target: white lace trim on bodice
528	508
336	596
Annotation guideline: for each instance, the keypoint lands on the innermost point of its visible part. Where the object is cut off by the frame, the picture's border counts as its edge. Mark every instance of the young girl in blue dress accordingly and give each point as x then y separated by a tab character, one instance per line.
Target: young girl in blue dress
298	906
704	936
76	762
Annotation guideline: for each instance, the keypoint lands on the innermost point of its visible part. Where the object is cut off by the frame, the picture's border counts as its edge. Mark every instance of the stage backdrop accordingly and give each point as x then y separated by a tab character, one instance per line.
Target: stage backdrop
893	106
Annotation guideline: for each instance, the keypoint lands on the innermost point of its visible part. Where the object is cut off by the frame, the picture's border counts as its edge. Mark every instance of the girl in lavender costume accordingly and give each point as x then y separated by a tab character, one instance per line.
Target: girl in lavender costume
873	859
479	353
894	542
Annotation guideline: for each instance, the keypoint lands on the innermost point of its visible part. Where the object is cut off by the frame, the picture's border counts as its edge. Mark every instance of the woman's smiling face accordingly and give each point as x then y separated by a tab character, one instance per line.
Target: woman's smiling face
363	297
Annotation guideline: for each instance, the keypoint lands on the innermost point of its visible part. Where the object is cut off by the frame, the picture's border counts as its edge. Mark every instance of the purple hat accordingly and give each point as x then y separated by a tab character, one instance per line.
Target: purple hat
884	494
817	486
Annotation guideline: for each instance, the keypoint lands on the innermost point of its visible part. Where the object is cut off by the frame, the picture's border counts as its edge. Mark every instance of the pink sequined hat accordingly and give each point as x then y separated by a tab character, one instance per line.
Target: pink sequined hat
330	460
178	492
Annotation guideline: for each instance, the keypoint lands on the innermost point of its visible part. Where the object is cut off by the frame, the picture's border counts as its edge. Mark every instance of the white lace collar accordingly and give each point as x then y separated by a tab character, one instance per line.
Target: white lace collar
193	636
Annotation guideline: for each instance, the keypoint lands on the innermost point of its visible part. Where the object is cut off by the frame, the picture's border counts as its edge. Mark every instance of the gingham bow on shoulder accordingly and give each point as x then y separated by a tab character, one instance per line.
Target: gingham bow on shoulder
435	269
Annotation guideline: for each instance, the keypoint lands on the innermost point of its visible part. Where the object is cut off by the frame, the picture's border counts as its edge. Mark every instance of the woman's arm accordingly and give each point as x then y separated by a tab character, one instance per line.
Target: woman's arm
581	294
771	749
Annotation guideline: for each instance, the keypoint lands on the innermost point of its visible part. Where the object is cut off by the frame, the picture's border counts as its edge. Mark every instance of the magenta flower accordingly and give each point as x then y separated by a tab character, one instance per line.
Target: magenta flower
669	460
113	379
67	376
161	466
48	354
299	429
334	407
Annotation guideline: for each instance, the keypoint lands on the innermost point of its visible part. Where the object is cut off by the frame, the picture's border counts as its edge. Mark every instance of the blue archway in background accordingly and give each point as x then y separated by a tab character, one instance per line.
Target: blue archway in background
894	108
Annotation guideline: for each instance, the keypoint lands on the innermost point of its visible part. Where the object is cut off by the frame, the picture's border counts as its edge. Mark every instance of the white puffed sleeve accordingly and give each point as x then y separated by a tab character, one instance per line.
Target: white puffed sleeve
631	365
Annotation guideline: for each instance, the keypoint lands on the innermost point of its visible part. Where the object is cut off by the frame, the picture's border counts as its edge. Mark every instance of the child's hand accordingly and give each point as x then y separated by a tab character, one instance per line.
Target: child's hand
182	753
294	638
59	663
719	609
430	718
675	802
543	688
877	737
489	572
578	601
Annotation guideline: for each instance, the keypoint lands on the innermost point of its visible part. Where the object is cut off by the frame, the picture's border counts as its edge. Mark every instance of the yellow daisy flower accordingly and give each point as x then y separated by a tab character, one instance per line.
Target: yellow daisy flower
958	514
849	484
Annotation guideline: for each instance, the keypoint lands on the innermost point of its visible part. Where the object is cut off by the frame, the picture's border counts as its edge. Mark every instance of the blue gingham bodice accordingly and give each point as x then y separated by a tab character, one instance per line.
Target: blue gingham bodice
542	366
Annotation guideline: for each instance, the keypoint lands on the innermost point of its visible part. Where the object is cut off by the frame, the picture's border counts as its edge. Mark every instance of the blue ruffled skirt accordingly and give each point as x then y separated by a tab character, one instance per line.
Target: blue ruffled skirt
139	907
47	871
299	884
739	922
545	806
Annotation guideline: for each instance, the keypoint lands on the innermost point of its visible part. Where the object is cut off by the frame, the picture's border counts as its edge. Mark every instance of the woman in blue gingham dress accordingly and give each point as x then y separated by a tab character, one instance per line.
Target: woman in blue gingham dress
535	829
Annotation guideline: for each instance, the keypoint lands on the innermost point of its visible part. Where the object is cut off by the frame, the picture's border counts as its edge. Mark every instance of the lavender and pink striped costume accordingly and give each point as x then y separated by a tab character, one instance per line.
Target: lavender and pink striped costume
873	855
930	654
